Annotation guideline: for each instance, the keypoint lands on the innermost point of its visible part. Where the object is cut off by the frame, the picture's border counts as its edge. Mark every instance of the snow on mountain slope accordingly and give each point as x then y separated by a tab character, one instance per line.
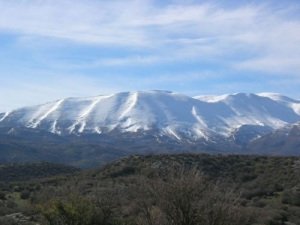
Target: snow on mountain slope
291	103
170	114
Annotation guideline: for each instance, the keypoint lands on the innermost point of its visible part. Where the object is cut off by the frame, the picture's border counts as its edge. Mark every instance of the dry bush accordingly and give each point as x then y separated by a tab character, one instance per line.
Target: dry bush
186	197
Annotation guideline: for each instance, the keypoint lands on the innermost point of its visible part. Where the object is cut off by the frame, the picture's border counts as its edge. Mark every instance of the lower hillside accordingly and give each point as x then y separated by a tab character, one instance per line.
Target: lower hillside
184	189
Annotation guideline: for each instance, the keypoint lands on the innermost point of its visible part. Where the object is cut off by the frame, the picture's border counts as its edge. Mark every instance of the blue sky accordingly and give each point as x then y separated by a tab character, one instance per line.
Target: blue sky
51	49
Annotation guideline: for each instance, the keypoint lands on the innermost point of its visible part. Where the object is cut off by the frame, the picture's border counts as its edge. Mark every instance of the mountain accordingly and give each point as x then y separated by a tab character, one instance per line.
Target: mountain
170	114
102	128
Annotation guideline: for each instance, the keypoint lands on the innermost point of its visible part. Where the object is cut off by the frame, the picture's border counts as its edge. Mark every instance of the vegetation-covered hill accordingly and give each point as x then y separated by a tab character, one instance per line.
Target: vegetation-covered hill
183	189
29	171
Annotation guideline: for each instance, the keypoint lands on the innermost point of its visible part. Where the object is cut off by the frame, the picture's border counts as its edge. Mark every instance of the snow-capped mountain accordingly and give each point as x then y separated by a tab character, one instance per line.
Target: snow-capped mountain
95	130
240	116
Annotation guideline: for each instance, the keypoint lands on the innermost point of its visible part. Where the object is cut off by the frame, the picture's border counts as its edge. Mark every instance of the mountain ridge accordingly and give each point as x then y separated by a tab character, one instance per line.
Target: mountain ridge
170	112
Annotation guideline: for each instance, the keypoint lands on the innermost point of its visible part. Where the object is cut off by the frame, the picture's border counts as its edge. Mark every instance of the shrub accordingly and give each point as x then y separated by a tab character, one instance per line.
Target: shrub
188	198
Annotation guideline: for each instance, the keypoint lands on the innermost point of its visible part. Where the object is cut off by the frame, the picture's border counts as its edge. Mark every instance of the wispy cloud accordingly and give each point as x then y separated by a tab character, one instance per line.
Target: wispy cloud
202	30
126	42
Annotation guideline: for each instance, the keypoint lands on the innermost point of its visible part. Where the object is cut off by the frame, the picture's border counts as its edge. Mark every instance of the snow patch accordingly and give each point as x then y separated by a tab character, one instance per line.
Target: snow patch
98	130
296	107
198	118
36	121
170	131
131	102
81	120
211	98
53	128
5	115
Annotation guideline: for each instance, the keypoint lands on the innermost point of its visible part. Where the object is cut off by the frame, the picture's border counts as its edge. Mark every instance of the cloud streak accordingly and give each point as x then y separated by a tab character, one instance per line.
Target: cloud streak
146	24
186	30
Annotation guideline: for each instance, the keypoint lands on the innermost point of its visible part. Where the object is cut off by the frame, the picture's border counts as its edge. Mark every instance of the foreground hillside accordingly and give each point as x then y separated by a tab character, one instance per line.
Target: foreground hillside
163	189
